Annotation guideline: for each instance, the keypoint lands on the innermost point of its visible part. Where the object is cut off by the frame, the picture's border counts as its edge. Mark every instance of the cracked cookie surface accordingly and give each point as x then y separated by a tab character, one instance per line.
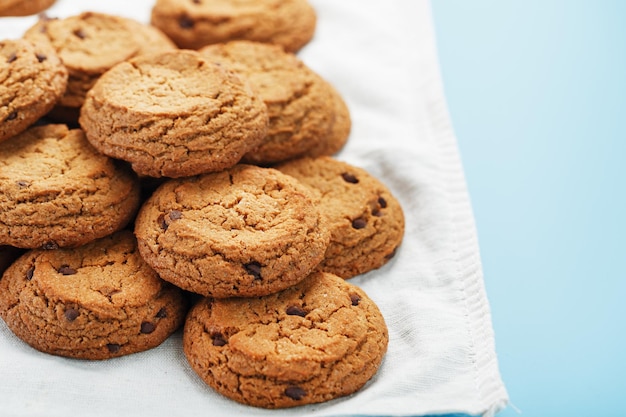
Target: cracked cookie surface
32	80
318	340
173	114
89	44
193	24
56	190
307	115
98	301
365	220
246	231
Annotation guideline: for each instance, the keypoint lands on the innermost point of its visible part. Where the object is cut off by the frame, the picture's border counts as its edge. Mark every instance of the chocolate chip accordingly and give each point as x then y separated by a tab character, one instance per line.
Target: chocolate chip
175	214
347	177
11	57
50	246
79	33
218	339
12	115
354	298
23	184
254	268
66	270
30	272
43	17
185	22
295	393
382	202
113	347
147	327
196	1
296	311
392	254
71	314
359	223
161	314
161	221
41	57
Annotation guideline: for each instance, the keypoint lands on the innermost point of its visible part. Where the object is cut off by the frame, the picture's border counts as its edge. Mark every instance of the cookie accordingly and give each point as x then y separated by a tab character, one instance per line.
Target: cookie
365	220
193	24
23	7
307	115
32	80
246	231
321	339
56	190
98	301
173	114
89	44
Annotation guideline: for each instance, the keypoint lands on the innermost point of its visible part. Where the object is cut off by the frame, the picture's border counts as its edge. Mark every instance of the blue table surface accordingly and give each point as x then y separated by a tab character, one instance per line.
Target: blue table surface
536	91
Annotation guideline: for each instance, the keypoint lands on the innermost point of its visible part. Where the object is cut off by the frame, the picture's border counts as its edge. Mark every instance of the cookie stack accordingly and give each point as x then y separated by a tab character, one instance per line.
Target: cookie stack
148	186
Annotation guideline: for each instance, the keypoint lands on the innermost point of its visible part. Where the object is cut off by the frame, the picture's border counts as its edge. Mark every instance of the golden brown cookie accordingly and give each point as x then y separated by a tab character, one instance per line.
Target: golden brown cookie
97	301
246	231
56	190
307	115
319	340
365	220
32	80
193	24
173	114
23	7
91	43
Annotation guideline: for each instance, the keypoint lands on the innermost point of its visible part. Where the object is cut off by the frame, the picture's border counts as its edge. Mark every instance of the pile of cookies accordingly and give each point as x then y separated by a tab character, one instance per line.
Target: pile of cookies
181	174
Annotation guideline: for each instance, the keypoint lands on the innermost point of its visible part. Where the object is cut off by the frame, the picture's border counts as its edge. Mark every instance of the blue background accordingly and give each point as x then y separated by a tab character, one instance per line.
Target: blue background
537	96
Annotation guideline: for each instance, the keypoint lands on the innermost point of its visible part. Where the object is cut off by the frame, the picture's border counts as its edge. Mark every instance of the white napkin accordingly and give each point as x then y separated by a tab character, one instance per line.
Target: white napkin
381	56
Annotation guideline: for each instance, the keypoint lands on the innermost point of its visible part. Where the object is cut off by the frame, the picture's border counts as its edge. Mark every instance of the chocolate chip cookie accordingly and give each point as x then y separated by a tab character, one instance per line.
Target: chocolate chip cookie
318	340
32	80
98	301
245	231
56	190
193	24
365	220
89	44
307	115
173	114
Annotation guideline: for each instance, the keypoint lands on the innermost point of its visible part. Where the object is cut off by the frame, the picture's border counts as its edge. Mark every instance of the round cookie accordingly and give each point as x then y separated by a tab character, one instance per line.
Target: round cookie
246	231
32	80
94	302
91	43
365	220
307	115
23	7
56	190
321	339
173	114
193	24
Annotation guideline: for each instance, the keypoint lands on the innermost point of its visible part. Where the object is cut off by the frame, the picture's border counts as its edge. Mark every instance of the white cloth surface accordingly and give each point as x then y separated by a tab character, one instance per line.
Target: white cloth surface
381	56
